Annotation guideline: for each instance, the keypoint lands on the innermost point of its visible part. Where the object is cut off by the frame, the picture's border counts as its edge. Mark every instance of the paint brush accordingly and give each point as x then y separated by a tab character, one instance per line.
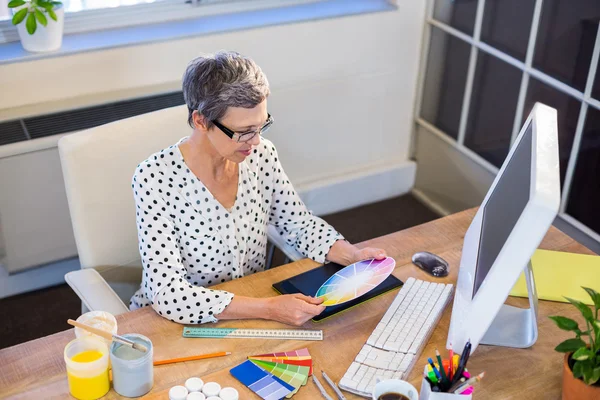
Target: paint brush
109	336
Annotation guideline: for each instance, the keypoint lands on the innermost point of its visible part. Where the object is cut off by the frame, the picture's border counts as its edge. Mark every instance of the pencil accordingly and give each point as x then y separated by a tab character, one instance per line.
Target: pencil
192	358
457	384
333	386
468	383
442	369
321	388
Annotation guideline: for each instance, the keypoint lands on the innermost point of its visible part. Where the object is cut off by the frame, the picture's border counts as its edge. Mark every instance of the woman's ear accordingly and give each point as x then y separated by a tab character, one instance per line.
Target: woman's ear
199	120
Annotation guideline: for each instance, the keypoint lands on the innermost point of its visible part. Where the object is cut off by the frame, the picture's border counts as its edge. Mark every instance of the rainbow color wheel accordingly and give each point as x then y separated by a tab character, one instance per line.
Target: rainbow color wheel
355	280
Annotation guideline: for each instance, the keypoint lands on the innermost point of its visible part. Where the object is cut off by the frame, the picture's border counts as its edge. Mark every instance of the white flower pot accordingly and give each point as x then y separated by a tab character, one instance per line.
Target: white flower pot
45	38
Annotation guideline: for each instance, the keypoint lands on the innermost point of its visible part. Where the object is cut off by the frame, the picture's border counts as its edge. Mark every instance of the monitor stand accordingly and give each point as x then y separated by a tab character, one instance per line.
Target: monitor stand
513	326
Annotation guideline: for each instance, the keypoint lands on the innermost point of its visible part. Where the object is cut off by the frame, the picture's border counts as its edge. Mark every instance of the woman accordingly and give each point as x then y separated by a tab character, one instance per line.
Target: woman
203	205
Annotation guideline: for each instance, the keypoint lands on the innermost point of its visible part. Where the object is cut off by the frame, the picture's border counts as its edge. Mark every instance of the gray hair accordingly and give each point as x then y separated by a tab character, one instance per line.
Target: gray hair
213	83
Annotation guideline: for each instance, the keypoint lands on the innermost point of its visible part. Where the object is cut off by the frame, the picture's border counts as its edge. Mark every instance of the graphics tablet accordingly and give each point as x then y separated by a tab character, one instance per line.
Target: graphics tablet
309	282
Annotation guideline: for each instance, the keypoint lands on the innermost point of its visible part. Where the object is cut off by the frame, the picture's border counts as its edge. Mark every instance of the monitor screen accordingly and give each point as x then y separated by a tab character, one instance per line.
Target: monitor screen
504	207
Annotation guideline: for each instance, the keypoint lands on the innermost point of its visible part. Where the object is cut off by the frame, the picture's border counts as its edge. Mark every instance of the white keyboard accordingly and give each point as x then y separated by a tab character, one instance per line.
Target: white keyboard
399	338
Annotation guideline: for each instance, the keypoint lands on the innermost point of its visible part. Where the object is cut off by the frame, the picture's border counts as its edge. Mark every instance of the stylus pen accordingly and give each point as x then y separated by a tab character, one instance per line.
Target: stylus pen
333	386
462	363
321	388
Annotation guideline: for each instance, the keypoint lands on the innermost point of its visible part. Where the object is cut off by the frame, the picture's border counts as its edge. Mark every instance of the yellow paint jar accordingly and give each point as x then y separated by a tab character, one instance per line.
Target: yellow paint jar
87	368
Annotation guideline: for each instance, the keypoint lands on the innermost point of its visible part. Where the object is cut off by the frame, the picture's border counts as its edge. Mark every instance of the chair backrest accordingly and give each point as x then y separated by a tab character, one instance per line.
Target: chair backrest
98	165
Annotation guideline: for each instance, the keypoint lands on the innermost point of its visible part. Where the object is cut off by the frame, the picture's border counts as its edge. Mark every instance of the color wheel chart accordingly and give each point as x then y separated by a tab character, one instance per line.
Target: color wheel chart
355	280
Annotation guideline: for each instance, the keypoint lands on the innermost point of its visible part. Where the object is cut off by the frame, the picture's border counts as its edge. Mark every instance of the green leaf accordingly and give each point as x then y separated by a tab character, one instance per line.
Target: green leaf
585	310
578	369
570	345
56	3
587	370
594	295
595	376
31	24
19	16
15	3
582	354
40	17
52	15
566	324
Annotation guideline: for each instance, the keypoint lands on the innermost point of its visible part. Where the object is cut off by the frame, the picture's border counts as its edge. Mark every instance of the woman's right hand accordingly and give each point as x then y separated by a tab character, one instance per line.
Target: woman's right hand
294	309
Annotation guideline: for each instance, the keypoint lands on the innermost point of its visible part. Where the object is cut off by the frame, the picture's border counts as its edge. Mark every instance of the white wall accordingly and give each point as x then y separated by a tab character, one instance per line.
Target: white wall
342	94
347	83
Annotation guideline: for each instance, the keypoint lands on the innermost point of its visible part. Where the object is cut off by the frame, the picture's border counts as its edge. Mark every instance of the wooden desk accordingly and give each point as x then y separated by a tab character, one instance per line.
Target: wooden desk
36	370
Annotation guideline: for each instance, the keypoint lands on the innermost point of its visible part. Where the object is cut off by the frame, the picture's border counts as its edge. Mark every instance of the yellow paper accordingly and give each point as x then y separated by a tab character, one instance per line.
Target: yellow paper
558	274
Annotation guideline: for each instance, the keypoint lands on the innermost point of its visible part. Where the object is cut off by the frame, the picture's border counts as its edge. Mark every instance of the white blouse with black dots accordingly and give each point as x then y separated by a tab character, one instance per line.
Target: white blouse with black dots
188	241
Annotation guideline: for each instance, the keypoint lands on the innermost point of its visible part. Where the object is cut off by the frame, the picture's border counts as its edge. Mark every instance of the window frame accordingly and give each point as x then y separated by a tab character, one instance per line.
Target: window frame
527	69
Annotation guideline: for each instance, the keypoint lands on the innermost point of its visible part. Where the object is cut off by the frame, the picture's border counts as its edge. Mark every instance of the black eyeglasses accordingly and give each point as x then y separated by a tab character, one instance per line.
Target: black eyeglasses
245	136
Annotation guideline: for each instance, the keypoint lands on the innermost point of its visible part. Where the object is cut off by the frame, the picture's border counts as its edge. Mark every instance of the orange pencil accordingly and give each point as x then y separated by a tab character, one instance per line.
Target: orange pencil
192	358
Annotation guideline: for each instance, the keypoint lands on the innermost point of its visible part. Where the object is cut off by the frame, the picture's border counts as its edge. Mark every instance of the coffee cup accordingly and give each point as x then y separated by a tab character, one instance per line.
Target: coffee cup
394	389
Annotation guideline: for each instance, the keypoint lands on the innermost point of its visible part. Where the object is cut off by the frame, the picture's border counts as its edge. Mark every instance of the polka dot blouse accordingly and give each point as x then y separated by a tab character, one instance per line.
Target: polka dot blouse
189	241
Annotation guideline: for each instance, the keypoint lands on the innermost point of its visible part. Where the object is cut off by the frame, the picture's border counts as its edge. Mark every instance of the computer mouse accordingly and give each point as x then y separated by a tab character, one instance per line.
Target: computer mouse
430	263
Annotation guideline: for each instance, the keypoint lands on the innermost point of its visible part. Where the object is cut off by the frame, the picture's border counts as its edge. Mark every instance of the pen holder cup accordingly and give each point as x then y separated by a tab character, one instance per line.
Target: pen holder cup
427	394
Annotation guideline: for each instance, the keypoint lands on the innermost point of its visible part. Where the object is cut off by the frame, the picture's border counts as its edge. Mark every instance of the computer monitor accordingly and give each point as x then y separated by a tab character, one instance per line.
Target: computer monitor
514	217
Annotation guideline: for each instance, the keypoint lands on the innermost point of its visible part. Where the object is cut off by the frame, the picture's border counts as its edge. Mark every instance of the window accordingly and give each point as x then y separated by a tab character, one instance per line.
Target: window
493	107
516	14
488	62
72	6
91	15
566	38
458	14
585	190
446	68
81	5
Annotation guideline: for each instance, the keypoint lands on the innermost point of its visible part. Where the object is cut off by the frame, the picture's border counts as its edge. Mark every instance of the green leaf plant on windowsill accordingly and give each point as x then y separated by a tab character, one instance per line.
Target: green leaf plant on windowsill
35	12
581	370
39	23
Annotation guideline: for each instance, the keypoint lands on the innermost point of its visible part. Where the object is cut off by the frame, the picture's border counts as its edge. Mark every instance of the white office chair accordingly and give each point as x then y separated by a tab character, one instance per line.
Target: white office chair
98	165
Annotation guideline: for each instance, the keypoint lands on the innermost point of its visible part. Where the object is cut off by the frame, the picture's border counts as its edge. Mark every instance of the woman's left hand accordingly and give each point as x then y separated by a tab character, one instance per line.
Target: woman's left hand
367	253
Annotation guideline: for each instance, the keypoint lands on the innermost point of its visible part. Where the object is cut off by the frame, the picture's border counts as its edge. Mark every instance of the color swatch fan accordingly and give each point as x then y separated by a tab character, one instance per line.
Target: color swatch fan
355	280
284	371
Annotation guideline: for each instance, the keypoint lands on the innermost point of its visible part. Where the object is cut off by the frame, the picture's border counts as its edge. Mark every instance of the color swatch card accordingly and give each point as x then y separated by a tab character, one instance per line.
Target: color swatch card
291	367
295	353
355	280
264	384
296	357
294	375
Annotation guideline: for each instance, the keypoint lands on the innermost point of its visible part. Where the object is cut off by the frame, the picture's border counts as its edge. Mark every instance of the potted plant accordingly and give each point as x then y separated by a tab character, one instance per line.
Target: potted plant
39	23
581	366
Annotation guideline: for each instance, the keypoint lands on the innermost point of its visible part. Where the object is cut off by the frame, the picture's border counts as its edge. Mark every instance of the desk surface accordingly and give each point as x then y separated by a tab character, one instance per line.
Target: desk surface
36	369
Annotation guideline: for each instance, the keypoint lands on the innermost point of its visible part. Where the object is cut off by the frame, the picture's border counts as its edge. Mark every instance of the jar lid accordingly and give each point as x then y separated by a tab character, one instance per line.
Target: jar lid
178	393
194	384
196	396
229	393
211	389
